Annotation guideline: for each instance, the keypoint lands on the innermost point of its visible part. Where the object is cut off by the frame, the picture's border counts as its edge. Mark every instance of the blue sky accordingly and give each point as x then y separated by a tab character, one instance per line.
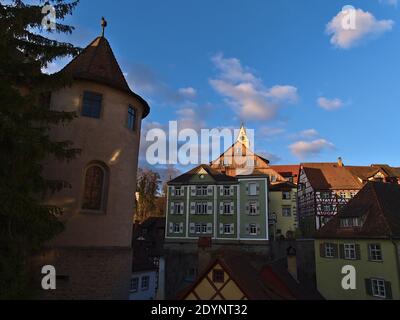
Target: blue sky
310	95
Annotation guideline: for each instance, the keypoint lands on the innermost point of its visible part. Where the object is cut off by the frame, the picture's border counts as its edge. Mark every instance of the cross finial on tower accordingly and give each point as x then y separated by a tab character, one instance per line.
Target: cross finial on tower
103	25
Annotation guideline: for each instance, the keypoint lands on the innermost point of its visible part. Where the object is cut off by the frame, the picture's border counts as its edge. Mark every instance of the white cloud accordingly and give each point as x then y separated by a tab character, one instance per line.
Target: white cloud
389	2
309	133
305	149
330	104
247	95
366	25
188	92
144	80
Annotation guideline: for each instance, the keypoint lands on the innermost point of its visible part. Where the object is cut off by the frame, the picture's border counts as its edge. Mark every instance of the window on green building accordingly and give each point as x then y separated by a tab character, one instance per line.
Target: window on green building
350	251
375	252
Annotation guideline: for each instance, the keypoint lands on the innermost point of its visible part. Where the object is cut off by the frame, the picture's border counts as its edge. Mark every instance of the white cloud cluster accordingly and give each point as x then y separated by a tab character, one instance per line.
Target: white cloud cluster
305	149
250	99
330	104
365	26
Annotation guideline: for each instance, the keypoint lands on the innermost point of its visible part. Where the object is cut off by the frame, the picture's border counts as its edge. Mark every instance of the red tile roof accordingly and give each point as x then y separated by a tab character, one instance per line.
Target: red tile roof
288	171
379	204
98	63
330	176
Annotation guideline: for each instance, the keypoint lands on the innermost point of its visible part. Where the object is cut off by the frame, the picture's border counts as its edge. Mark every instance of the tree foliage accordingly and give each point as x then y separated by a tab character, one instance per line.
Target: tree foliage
148	183
25	142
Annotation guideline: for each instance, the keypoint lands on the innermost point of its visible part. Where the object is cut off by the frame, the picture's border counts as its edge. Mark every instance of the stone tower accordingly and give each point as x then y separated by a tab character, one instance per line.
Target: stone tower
92	256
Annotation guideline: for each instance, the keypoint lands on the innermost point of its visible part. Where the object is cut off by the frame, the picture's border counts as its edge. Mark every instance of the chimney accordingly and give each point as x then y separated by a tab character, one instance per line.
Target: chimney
292	262
340	162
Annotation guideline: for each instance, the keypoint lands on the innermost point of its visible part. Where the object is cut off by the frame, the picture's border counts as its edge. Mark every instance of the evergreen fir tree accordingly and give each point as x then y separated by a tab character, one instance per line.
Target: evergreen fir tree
25	121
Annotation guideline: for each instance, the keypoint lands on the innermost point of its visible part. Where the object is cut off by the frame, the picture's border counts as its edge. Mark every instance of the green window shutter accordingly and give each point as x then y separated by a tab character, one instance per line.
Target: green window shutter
247	229
171	227
181	227
335	248
322	250
232	208
258	230
341	251
247	189
369	252
258	189
388	289
368	286
358	252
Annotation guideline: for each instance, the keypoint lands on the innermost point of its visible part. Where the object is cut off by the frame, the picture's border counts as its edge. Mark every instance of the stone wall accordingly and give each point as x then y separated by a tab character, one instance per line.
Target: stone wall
93	274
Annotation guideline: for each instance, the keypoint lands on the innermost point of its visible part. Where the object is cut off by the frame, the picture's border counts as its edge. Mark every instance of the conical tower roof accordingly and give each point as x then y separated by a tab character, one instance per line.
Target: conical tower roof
97	63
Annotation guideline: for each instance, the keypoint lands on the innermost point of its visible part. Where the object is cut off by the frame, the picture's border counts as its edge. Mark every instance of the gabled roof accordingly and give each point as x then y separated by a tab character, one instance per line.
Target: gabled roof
258	279
379	204
97	63
330	176
288	171
216	175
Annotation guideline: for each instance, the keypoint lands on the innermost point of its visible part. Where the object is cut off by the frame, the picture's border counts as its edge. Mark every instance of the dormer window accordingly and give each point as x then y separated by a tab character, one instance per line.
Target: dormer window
91	104
355	222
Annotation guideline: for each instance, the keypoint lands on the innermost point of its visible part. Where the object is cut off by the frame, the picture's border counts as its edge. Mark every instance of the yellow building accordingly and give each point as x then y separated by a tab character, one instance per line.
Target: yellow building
283	209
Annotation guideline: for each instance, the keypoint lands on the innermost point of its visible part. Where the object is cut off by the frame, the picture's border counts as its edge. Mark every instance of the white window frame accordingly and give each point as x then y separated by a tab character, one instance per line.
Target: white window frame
178	191
198	228
201	208
228	229
134	280
251	186
285	214
145	288
375	251
284	194
329	250
252	227
177	208
227	205
253	205
227	191
204	228
349	249
177	228
201	191
378	288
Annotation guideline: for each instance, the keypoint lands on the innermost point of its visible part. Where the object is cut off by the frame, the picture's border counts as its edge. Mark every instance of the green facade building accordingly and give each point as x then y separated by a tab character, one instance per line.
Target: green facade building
364	235
207	203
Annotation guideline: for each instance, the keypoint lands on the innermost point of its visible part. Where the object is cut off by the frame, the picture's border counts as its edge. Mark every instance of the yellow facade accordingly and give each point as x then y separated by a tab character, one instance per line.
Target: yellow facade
277	204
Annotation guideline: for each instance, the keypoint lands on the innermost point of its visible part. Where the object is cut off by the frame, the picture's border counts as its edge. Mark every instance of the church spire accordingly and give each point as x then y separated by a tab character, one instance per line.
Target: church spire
243	138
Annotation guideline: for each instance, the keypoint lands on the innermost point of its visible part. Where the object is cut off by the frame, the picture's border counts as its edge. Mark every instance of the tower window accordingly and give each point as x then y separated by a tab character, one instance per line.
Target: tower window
131	118
91	106
94	189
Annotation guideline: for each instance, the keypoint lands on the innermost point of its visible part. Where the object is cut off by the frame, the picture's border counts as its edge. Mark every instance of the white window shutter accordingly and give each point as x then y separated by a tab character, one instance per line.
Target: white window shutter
247	189
221	191
232	191
232	228
182	208
247	229
258	188
193	208
209	228
172	208
181	228
192	228
210	190
232	208
172	191
171	227
209	208
221	228
192	191
221	208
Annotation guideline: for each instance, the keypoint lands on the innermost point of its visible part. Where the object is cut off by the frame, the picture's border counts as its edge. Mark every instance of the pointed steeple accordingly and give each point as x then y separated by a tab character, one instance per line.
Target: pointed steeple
97	63
243	138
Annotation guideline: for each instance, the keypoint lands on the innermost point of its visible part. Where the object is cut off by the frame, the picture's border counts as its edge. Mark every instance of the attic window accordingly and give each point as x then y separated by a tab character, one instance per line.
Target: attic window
351	222
218	276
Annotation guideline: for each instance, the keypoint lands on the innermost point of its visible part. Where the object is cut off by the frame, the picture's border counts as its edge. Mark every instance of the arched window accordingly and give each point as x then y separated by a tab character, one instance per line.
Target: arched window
95	184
